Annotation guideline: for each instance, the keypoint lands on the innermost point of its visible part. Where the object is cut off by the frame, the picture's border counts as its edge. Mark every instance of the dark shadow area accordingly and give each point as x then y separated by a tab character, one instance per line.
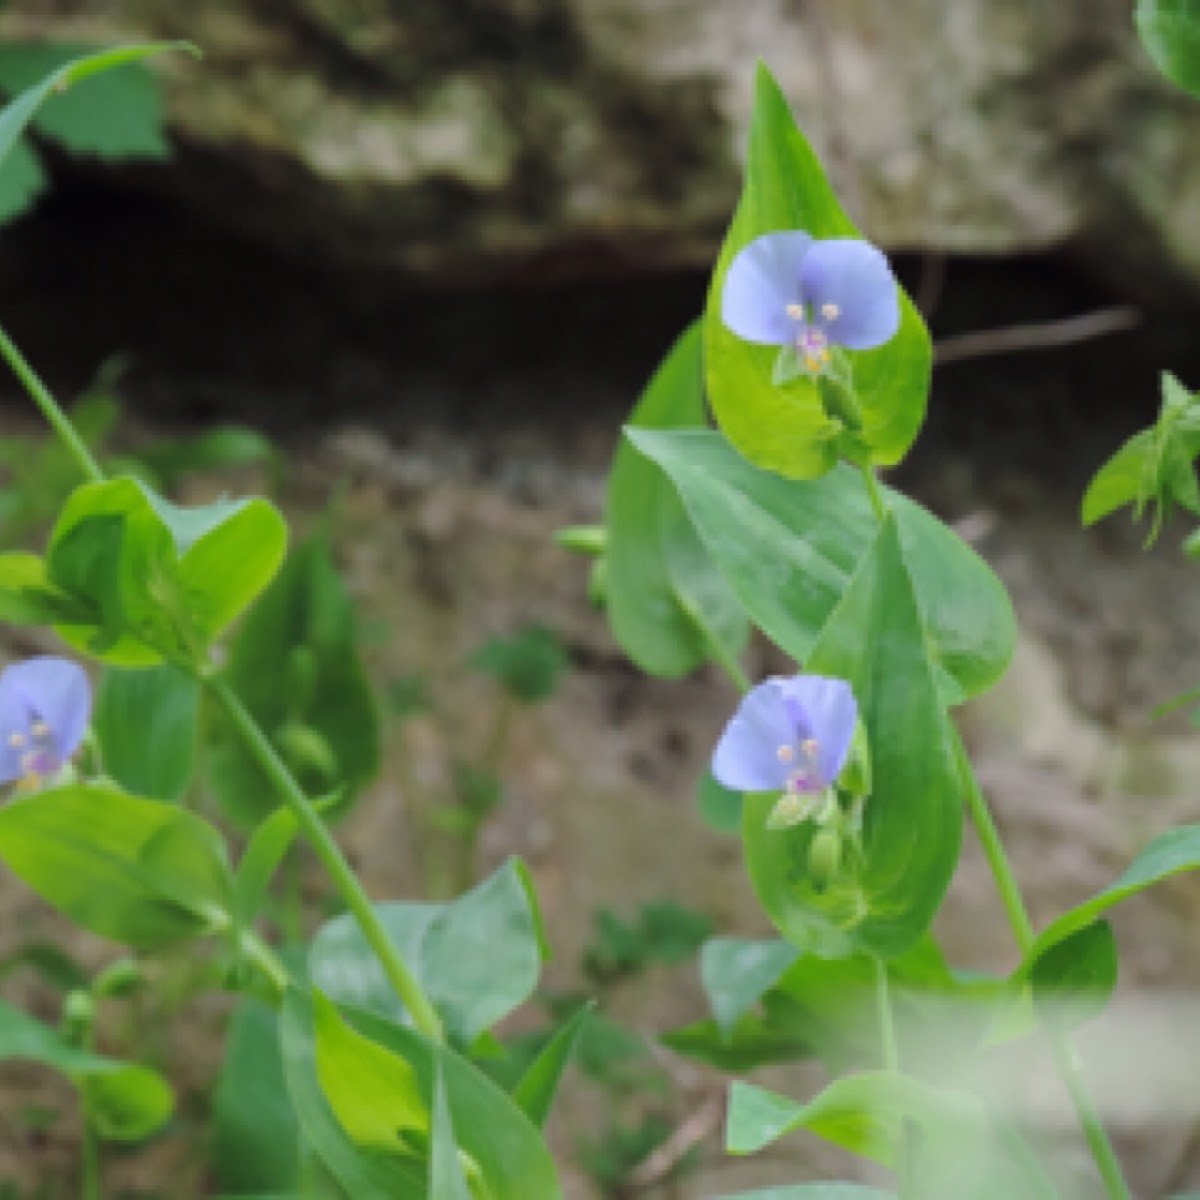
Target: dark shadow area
215	327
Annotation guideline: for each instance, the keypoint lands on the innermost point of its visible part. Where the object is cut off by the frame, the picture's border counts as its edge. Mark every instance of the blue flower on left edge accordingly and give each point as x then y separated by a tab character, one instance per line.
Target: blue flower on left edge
45	704
791	736
792	290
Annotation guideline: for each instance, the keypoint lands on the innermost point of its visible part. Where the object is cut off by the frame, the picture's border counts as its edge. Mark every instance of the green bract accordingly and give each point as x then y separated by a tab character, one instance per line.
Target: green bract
134	580
788	428
880	901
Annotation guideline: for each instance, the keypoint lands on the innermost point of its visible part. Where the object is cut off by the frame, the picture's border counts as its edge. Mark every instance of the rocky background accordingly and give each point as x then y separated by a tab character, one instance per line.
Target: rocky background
436	247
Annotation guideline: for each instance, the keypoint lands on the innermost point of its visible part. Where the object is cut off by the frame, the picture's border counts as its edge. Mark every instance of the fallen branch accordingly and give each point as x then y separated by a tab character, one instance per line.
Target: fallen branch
1040	335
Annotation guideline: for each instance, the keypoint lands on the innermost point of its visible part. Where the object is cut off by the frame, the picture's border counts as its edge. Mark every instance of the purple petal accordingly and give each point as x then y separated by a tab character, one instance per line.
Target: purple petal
762	280
57	691
747	756
855	278
832	715
14	718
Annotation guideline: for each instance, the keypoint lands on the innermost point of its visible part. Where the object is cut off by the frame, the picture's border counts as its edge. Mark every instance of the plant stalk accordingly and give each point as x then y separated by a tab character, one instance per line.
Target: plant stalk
877	504
351	891
1064	1055
49	408
90	1183
1018	917
891	1060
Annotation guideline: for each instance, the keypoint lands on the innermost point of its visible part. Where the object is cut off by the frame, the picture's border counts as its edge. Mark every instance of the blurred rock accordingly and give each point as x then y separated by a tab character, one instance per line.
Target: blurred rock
530	138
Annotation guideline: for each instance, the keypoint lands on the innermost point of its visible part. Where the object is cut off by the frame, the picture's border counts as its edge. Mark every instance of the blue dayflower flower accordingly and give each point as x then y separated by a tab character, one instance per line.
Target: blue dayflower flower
45	704
792	736
808	295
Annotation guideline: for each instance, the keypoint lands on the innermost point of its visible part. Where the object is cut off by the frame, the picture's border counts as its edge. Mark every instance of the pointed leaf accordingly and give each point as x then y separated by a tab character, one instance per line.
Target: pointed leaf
667	602
101	856
736	972
536	1089
787	429
446	1178
17	115
789	549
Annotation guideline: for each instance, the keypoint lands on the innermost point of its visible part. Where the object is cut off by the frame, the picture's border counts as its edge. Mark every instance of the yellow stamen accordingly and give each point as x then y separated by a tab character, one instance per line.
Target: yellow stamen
795	311
811	362
16	739
830	311
40	729
785	753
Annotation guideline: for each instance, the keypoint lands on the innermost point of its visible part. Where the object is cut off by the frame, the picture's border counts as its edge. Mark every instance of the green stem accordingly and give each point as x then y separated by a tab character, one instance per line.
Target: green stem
873	491
1064	1054
327	850
1093	1129
50	410
90	1186
887	1025
891	1060
255	950
993	849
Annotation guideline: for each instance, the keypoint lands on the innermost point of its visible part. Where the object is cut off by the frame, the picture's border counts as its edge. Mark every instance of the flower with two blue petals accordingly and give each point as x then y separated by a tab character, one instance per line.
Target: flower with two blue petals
789	735
45	704
811	295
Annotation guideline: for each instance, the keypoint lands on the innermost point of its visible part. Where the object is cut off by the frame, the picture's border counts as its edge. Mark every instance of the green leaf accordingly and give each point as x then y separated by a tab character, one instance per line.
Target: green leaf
232	551
17	115
364	1174
266	849
1154	467
446	1178
133	870
477	958
146	722
736	972
127	1102
117	116
22	181
296	666
754	1041
789	549
882	901
1074	979
504	1151
1170	31
951	1146
27	597
864	1113
1168	854
512	1160
787	429
537	1087
668	605
254	1136
374	1093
